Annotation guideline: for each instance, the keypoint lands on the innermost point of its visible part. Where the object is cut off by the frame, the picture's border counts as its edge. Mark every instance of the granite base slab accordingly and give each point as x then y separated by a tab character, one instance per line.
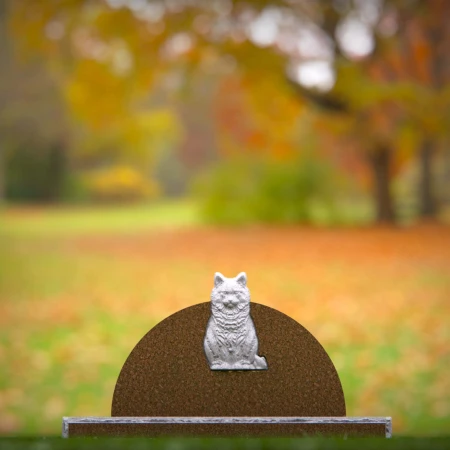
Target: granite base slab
227	426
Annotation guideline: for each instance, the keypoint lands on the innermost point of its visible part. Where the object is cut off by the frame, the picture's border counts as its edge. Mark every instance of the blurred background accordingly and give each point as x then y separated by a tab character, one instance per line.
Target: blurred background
146	144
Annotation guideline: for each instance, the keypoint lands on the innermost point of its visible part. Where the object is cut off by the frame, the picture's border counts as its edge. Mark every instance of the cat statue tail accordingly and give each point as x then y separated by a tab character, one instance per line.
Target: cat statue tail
260	362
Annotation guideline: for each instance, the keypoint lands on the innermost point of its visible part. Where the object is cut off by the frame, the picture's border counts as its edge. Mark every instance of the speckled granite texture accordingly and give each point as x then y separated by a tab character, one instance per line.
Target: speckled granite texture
221	427
167	374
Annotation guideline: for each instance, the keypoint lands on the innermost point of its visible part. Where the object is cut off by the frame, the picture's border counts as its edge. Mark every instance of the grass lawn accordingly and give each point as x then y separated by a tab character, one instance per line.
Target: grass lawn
79	287
403	443
35	221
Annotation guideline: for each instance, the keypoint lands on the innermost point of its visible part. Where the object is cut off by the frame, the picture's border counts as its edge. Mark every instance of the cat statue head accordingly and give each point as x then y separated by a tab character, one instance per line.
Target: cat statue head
230	295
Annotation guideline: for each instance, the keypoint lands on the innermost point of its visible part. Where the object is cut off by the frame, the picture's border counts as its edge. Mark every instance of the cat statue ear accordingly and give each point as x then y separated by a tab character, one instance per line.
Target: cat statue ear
218	279
242	279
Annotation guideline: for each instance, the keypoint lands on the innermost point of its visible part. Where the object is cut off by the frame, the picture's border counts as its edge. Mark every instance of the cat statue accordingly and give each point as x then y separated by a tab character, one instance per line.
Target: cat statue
230	341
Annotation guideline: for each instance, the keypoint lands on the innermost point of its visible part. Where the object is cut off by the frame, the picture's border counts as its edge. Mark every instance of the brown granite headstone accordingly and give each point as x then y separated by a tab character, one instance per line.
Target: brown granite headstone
166	386
167	373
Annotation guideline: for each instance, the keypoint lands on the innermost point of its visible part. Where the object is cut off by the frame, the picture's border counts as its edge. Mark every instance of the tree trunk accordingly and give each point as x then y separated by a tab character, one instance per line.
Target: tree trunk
2	176
380	161
4	61
428	205
56	172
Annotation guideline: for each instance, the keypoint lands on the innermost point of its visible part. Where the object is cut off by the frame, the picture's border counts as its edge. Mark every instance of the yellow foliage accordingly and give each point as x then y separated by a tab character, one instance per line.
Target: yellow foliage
119	183
95	95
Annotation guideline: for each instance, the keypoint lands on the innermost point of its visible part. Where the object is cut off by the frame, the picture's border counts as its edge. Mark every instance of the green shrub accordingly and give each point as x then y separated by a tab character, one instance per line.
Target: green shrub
75	190
246	190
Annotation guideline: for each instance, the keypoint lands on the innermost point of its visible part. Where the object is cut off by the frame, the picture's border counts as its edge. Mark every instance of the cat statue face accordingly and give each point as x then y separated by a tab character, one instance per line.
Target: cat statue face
230	341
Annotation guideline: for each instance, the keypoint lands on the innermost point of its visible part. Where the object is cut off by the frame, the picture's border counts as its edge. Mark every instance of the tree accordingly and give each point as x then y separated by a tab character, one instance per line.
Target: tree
4	56
32	117
410	67
415	64
114	116
424	43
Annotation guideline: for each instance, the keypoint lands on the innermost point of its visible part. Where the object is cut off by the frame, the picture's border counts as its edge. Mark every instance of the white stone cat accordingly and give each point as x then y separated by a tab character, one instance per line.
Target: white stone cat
230	341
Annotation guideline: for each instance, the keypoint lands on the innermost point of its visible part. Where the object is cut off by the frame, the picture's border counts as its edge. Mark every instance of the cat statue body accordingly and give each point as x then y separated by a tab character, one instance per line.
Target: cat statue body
230	341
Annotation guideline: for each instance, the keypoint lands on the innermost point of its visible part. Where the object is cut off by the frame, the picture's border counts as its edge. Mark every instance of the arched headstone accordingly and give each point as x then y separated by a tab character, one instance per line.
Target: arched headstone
167	373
